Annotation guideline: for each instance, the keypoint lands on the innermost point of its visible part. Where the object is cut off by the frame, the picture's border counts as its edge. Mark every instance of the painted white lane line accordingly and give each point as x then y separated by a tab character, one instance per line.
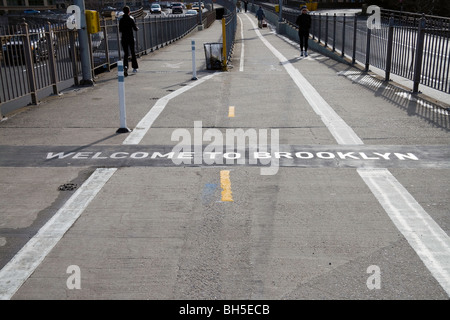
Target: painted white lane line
144	125
409	217
425	236
241	63
23	264
338	128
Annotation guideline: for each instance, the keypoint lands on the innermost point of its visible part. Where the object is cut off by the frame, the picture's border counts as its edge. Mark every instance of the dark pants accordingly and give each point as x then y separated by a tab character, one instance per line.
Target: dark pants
303	35
128	47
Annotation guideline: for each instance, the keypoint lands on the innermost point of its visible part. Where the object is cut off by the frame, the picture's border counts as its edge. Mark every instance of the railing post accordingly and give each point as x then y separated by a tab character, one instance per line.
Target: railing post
74	53
419	53
51	58
91	55
320	29
105	36
343	36
389	49
136	43
369	32
118	40
334	32
150	32
144	35
224	44
326	30
29	64
355	29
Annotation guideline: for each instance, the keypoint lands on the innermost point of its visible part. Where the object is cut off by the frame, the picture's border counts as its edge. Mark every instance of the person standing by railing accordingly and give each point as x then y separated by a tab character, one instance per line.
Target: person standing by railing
304	24
126	26
260	16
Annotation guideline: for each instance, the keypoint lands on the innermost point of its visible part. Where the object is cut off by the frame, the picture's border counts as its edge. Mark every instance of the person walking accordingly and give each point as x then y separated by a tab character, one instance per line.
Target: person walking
304	24
126	26
246	5
260	16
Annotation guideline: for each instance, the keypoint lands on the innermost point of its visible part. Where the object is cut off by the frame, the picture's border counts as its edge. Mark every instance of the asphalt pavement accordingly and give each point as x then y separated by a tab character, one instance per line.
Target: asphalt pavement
339	189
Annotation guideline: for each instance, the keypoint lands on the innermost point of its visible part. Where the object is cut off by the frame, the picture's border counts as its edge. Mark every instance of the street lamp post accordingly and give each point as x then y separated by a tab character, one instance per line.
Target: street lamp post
83	39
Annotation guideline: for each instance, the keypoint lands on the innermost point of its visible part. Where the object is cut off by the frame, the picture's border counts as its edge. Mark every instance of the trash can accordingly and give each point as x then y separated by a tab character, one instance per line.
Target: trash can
213	55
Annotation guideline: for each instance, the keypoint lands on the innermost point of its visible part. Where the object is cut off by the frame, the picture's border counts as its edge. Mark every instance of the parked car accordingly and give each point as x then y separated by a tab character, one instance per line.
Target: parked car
196	6
14	49
31	11
155	8
165	5
191	12
108	11
97	44
177	7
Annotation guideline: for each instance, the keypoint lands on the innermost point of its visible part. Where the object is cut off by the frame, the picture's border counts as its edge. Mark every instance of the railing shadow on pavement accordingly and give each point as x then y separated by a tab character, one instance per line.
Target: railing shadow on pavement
414	104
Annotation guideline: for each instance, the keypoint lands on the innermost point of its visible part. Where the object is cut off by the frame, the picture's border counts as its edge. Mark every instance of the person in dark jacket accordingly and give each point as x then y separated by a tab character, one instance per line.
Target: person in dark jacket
127	26
260	16
304	24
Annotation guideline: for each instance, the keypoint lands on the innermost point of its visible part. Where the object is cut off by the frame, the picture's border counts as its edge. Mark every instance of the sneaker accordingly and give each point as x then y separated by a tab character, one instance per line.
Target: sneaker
306	54
301	53
135	70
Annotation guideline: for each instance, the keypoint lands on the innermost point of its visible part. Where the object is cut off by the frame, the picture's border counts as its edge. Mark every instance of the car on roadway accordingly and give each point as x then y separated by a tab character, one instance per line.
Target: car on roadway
191	12
177	7
15	48
31	11
165	4
155	8
196	6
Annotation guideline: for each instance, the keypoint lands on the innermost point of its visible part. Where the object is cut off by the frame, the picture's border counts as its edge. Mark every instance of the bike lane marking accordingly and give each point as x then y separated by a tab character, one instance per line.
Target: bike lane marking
241	62
14	274
23	264
146	122
407	215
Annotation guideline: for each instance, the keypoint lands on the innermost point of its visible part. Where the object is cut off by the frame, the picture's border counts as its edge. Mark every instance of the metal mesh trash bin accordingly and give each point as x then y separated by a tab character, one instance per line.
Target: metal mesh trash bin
214	56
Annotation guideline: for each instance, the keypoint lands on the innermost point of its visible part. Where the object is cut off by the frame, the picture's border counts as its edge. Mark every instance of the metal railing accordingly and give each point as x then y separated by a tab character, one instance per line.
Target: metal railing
34	58
230	25
38	61
413	46
154	33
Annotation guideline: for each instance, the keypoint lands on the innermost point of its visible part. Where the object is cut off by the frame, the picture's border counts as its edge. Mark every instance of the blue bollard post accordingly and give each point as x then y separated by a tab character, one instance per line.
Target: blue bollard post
194	68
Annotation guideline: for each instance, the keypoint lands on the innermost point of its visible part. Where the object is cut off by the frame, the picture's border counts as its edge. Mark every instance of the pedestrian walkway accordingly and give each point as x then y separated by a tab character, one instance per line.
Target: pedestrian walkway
140	226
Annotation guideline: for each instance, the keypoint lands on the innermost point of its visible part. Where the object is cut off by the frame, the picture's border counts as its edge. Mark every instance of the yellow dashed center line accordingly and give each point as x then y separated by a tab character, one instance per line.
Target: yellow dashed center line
231	112
225	183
